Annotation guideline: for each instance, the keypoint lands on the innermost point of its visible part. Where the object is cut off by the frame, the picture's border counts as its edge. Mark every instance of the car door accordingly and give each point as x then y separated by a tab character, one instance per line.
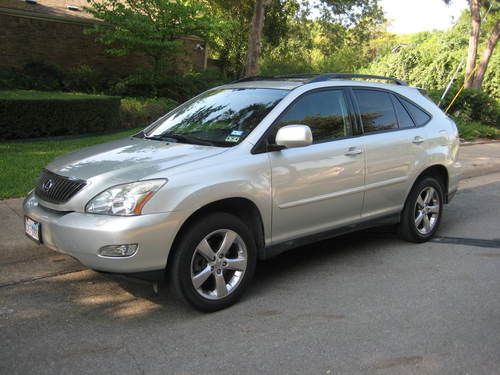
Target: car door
393	148
320	186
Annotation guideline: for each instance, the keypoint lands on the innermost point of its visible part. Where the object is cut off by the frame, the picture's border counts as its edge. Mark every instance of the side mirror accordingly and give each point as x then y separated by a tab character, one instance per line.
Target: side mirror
291	136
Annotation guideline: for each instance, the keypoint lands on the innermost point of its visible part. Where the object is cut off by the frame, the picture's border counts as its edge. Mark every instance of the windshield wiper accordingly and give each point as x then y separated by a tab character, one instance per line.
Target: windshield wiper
180	138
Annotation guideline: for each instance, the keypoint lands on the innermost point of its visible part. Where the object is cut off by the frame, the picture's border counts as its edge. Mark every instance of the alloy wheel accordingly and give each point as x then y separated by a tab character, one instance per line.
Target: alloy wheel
218	264
427	210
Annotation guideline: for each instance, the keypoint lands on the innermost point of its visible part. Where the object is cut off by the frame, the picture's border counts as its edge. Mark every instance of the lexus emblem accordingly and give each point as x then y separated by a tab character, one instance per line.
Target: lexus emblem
47	185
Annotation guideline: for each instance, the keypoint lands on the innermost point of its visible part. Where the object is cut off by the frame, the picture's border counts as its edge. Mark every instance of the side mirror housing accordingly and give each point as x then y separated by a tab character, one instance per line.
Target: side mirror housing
291	136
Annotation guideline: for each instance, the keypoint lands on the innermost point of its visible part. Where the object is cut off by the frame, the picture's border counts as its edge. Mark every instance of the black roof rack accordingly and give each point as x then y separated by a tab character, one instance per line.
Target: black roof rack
328	76
287	77
312	78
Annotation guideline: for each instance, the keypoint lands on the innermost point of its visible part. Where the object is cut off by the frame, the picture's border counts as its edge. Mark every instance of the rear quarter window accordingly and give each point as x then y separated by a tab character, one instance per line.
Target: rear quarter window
419	116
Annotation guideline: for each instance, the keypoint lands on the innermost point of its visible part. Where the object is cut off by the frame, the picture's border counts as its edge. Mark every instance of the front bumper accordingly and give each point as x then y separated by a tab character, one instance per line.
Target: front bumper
81	235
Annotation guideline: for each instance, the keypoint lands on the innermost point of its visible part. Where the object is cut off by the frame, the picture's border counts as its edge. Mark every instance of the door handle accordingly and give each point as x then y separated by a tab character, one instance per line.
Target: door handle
353	151
418	139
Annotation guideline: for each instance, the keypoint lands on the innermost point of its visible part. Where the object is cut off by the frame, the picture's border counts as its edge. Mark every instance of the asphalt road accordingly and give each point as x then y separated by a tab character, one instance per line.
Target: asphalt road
366	303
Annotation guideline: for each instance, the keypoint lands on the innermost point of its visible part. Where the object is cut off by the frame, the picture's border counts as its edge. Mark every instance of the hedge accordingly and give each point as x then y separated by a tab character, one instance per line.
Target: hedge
29	114
141	112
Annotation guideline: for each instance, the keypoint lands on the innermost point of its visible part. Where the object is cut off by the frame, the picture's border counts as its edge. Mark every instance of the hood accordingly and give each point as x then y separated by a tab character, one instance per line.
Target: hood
129	159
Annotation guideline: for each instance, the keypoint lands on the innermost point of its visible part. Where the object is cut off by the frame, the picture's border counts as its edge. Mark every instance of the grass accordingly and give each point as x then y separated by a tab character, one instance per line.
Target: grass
22	161
44	95
470	131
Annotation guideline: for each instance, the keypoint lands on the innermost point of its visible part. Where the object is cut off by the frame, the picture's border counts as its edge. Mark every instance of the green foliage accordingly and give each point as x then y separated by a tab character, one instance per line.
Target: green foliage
151	27
333	42
140	112
470	131
22	161
26	114
176	87
474	105
429	59
46	77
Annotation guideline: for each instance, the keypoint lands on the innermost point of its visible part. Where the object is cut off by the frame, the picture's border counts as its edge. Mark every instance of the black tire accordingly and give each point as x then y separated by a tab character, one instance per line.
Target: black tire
180	270
407	228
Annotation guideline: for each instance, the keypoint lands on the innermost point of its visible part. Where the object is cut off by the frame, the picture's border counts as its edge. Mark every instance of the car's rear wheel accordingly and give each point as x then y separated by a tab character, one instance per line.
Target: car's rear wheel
213	262
422	212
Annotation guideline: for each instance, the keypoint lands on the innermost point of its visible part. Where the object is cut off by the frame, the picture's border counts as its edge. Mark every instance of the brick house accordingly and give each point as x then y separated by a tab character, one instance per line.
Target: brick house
52	31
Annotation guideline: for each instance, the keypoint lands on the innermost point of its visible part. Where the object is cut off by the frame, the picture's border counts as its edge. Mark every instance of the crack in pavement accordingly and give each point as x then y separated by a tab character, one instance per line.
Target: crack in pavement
477	242
36	278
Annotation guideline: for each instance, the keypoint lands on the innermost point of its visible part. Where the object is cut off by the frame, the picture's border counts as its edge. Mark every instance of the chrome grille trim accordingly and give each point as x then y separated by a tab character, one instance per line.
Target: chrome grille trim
57	189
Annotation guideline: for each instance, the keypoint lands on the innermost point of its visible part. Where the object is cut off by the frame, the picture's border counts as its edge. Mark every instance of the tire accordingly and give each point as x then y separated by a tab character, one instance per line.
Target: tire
420	219
193	262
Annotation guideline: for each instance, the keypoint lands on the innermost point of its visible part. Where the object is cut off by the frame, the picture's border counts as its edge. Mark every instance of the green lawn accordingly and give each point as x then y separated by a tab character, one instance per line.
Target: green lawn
22	161
37	95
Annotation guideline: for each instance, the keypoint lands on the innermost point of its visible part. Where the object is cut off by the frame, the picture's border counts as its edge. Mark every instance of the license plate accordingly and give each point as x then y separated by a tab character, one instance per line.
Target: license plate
32	229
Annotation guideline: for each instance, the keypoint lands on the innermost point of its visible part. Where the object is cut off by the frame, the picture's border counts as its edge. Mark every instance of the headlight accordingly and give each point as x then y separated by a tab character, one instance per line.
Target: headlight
124	200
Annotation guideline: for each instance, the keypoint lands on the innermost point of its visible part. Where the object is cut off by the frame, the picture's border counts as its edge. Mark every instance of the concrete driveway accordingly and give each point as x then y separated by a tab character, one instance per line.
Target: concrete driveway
366	303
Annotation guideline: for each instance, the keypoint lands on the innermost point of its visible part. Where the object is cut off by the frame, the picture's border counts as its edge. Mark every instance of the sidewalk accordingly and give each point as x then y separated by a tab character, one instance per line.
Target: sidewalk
22	259
480	159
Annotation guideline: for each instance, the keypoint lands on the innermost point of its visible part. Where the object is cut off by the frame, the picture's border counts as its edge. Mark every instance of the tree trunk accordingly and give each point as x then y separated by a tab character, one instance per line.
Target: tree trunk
473	40
255	37
485	59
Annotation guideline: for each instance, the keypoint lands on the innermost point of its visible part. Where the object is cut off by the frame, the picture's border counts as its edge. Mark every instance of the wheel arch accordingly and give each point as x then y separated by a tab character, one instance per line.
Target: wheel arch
439	172
241	207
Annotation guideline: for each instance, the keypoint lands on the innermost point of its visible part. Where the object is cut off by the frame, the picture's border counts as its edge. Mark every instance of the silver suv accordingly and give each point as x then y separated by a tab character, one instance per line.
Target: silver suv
246	171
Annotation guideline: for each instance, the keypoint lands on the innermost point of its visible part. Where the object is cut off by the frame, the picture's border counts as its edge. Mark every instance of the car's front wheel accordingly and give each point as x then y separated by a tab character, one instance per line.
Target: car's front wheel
422	212
213	262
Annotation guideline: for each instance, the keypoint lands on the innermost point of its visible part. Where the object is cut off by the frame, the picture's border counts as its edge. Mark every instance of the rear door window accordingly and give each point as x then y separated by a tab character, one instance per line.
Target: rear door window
376	110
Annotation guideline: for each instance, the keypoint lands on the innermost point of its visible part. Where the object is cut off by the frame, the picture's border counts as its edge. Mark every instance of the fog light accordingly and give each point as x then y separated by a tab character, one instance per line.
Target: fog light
118	250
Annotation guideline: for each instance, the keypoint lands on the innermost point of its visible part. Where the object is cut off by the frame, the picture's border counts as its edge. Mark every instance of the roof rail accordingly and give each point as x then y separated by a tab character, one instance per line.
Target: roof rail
276	78
328	76
315	77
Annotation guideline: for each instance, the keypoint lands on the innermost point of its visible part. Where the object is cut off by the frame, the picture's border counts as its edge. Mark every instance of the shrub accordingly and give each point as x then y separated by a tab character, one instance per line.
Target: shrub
471	106
474	130
140	112
84	78
27	114
177	87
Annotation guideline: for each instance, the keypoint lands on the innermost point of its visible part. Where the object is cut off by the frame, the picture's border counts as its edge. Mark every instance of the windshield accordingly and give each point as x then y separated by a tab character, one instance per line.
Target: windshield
220	117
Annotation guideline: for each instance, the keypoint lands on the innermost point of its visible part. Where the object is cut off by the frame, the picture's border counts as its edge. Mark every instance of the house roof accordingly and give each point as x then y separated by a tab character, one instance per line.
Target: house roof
56	9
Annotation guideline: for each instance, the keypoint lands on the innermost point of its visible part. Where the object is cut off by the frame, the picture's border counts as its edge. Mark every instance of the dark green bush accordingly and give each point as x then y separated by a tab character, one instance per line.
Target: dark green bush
177	87
28	114
140	112
471	106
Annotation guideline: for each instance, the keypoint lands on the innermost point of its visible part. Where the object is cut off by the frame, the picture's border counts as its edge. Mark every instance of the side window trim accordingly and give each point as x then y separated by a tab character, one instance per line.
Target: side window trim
261	146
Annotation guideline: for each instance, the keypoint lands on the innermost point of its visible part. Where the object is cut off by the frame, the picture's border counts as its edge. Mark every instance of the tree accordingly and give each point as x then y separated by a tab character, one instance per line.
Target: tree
473	40
151	27
255	37
476	77
337	19
485	59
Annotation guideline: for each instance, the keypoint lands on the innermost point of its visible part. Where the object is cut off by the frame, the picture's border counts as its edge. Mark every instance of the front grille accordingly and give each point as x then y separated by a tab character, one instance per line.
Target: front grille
57	189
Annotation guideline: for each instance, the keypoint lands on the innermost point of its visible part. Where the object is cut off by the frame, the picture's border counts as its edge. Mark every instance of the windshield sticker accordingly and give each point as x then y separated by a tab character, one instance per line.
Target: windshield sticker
238	133
232	139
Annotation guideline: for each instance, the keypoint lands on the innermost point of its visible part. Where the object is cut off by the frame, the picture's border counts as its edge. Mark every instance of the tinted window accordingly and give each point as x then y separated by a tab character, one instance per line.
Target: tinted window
325	112
222	117
377	112
404	119
418	115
